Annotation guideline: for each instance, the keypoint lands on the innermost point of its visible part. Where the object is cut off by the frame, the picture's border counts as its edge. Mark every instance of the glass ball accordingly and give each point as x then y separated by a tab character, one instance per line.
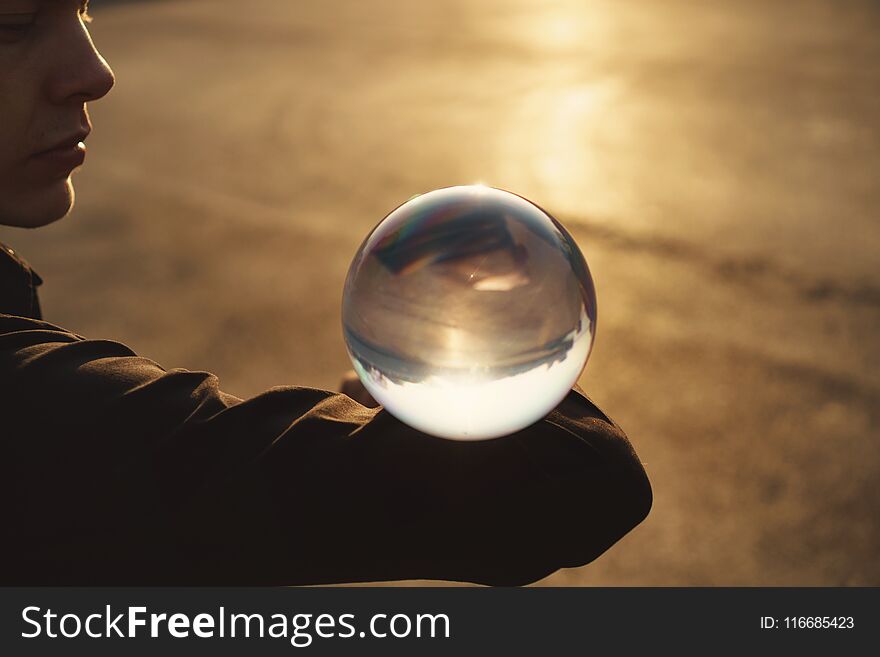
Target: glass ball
469	312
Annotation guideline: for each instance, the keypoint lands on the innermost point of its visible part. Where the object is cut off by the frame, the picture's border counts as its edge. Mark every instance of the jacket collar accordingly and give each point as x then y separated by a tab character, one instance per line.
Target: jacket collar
18	285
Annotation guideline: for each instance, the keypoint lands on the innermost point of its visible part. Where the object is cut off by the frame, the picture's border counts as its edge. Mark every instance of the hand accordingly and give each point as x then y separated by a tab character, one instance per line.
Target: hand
351	385
507	511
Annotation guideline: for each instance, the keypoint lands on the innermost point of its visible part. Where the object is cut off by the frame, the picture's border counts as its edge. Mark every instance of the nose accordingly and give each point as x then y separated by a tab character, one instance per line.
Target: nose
81	74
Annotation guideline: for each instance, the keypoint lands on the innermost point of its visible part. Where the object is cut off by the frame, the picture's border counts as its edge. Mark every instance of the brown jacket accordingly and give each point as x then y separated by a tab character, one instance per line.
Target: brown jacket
118	471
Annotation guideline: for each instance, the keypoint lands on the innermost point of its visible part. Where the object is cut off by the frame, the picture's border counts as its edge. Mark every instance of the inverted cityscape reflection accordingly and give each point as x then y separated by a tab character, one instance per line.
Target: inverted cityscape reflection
469	313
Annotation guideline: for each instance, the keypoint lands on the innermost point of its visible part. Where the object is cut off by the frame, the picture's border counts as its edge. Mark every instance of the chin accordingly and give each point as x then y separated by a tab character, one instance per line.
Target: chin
39	208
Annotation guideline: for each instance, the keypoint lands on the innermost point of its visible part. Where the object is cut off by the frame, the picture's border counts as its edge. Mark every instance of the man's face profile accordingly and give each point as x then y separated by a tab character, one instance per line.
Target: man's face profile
49	70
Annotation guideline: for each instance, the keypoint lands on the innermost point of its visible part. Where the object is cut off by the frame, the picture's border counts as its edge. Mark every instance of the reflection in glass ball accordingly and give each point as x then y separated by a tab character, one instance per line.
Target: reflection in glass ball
469	312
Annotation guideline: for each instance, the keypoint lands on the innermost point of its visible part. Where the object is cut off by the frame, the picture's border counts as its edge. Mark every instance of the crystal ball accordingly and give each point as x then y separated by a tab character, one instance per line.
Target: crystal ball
469	312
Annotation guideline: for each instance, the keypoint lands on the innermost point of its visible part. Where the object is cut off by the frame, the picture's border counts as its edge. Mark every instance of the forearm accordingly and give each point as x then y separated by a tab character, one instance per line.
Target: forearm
150	476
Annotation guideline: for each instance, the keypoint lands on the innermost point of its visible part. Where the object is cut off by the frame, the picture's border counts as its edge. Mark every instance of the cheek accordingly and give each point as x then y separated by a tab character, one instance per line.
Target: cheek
17	110
10	161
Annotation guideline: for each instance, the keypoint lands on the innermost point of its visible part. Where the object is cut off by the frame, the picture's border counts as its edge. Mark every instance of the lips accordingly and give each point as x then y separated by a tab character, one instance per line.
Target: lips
65	155
71	141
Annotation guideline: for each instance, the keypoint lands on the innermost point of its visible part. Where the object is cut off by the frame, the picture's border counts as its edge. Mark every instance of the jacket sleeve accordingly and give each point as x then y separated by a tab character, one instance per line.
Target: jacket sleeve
117	471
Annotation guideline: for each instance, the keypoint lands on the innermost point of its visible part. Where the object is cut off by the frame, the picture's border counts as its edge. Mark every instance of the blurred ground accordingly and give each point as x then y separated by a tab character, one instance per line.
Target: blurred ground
717	164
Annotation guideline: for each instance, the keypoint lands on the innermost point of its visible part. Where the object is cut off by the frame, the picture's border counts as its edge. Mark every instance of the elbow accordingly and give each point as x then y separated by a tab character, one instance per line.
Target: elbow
631	491
617	497
639	497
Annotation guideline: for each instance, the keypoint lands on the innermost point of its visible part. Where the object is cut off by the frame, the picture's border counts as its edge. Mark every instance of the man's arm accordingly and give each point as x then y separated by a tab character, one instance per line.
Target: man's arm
120	472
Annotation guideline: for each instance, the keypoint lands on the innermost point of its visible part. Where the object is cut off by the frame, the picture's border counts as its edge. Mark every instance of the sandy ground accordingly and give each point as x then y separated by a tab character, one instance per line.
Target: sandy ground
717	163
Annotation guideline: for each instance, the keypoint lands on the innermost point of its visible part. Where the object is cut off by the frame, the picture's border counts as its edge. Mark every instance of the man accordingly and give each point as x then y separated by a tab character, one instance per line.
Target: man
117	471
